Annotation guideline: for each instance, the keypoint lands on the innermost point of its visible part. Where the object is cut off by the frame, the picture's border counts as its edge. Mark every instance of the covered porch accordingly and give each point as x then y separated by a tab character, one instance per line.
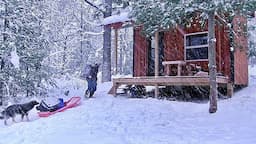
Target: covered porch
181	78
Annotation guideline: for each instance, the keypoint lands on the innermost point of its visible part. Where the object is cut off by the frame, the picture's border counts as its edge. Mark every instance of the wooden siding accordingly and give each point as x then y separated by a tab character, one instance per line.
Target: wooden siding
195	27
240	51
174	47
174	50
140	53
224	47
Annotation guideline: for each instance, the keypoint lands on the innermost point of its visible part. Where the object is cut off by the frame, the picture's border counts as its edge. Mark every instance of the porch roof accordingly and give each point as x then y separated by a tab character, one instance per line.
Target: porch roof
118	18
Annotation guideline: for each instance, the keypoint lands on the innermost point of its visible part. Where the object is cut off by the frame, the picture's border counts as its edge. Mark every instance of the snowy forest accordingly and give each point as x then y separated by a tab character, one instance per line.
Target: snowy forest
46	46
44	40
48	39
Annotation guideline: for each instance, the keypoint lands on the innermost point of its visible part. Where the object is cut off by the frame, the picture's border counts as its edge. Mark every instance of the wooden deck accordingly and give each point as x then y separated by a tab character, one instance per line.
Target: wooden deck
170	81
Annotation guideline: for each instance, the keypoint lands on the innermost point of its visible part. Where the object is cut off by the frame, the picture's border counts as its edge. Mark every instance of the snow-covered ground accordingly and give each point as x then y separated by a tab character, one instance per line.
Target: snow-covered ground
109	120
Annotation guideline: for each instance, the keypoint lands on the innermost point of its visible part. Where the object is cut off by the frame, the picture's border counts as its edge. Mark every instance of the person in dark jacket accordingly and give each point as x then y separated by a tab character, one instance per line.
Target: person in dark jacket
43	107
90	74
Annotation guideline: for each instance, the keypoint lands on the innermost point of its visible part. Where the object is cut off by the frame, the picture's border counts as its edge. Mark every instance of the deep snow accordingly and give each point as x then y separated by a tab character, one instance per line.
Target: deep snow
109	120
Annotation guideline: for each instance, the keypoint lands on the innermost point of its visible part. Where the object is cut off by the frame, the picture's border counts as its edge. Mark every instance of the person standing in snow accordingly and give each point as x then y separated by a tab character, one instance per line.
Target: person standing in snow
90	74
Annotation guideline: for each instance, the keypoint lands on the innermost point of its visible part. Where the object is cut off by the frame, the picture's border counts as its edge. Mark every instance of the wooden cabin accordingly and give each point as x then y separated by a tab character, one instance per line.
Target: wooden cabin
169	57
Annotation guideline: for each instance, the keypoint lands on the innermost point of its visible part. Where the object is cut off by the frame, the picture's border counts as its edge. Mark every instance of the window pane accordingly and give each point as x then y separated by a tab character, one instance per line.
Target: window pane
197	53
195	40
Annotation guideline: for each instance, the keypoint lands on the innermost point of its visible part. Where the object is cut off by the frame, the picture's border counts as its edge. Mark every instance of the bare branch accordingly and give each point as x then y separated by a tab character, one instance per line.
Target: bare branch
91	4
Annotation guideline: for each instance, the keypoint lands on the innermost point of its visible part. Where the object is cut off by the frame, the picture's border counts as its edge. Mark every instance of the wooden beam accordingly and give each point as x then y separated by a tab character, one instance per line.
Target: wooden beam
115	51
156	62
156	54
170	81
178	63
230	90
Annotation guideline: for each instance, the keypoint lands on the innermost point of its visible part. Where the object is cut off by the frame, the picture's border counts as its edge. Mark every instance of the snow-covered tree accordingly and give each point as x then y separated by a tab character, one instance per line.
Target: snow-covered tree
125	51
252	37
43	39
105	9
165	14
22	47
73	35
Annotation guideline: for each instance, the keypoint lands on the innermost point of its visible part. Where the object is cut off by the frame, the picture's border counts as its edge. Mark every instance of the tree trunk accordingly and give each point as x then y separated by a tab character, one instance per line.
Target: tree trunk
122	45
81	36
106	67
212	62
64	57
2	59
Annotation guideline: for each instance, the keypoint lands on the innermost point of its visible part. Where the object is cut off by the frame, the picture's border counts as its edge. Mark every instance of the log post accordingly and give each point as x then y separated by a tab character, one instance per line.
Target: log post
230	90
156	62
115	51
212	61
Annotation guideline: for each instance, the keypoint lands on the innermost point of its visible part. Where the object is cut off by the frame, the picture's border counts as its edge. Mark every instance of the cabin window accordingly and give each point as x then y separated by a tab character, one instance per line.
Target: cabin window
196	46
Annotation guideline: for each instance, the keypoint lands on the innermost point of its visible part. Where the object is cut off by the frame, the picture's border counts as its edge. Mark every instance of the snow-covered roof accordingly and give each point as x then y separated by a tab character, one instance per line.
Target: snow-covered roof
122	17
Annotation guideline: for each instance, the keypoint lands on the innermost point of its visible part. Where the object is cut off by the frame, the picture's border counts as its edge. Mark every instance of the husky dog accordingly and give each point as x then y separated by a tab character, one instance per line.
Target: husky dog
13	110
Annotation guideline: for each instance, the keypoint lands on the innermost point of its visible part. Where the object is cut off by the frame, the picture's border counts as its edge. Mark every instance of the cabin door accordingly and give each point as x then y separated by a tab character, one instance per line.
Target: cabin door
151	55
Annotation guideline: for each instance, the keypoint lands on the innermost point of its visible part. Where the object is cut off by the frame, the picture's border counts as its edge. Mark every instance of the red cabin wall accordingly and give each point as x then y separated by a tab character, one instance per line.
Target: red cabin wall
174	47
140	53
195	27
223	44
174	50
240	51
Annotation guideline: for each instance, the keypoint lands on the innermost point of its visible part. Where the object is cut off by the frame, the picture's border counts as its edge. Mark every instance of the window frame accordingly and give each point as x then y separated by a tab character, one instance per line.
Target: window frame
197	46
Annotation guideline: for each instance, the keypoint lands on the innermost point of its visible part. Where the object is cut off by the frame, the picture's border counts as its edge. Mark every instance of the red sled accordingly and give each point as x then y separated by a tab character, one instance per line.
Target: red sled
74	101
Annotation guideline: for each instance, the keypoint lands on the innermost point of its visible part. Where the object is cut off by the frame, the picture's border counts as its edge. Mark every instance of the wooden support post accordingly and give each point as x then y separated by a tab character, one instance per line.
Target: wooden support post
230	90
156	54
156	91
179	70
115	51
168	70
178	63
115	86
156	62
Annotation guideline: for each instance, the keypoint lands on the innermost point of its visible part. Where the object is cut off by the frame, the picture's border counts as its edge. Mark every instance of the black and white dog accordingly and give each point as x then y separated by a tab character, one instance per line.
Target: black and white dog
13	110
